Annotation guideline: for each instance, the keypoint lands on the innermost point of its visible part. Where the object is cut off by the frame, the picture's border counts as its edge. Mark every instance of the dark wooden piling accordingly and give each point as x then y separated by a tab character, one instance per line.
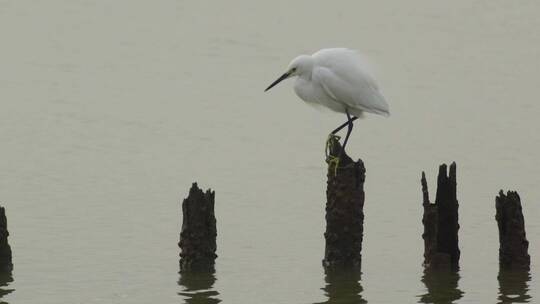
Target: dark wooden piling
6	264
440	220
513	250
344	211
198	235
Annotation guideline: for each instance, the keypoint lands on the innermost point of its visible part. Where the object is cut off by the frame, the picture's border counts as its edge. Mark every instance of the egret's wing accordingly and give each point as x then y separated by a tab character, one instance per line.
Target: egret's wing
345	78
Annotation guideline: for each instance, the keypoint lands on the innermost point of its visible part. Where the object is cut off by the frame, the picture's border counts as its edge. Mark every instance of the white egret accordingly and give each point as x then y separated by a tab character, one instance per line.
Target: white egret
338	79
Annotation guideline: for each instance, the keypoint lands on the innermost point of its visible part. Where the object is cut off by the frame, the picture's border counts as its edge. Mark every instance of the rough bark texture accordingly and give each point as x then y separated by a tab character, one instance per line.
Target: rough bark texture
430	221
198	235
6	264
513	250
344	211
441	248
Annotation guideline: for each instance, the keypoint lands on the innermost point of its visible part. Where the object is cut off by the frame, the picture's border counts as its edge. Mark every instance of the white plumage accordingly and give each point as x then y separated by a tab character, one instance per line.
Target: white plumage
338	79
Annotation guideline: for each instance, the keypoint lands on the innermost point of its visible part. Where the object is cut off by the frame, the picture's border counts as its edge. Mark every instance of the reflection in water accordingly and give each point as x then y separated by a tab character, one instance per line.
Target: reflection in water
513	286
197	287
442	286
343	286
5	279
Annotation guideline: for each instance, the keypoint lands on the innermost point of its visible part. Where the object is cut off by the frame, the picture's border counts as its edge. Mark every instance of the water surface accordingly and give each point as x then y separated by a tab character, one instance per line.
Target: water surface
111	109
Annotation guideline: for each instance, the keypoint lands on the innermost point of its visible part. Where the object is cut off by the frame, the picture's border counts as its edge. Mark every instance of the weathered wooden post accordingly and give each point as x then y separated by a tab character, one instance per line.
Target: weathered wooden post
440	221
513	250
6	264
198	235
344	210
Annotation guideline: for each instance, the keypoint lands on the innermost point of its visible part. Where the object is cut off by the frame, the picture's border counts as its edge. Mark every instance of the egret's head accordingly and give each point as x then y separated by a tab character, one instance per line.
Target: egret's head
301	65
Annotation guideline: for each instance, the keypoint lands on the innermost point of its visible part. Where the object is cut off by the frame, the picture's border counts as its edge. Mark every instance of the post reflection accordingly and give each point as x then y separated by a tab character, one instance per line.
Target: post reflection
197	287
442	286
514	286
5	280
343	286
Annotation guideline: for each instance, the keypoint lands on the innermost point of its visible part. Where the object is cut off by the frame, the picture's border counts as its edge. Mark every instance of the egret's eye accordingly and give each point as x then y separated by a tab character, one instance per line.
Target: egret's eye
293	70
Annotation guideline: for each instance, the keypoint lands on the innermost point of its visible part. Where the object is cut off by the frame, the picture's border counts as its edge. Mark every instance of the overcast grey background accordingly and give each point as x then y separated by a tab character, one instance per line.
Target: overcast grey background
110	109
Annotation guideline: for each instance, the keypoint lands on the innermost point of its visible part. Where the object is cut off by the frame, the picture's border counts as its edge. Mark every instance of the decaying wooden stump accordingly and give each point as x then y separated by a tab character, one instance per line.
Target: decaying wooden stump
198	235
440	221
6	264
513	250
344	211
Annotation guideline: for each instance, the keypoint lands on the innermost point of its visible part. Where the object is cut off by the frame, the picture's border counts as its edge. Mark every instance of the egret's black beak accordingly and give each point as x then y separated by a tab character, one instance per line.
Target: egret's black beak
282	77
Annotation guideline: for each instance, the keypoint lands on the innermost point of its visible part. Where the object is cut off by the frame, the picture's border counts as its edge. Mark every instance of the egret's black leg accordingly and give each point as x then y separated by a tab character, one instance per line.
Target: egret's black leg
344	124
349	130
331	159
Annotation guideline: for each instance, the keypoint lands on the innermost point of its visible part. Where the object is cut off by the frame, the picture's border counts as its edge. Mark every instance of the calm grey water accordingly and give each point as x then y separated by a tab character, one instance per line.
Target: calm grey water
110	109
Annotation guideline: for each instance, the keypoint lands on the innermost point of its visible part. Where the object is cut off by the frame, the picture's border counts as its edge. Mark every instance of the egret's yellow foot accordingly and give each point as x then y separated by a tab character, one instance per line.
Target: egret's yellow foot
331	159
329	142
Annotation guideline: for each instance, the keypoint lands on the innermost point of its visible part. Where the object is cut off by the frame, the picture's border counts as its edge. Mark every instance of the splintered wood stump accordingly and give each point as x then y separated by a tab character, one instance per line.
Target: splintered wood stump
344	211
440	221
513	250
198	235
6	264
